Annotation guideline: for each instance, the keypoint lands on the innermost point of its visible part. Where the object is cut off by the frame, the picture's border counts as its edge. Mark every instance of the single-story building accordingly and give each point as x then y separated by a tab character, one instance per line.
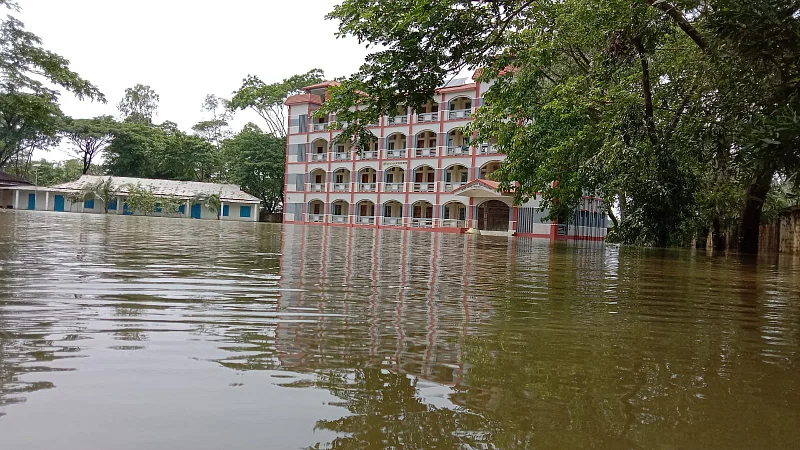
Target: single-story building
7	181
235	203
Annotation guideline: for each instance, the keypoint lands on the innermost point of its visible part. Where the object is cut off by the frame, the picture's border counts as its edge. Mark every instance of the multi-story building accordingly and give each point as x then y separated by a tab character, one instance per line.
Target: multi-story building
420	172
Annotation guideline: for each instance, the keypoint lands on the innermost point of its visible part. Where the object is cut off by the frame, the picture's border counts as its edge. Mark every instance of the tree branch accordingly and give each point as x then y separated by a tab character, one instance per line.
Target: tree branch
647	92
673	12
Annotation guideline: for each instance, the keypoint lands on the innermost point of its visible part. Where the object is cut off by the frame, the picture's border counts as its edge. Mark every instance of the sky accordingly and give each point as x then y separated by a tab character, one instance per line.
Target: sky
185	49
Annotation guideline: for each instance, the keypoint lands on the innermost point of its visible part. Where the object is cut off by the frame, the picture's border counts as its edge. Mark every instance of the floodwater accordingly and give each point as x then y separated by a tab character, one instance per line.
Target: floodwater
150	333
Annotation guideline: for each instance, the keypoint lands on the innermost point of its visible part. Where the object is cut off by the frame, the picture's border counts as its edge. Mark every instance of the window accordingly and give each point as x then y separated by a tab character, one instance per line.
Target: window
320	149
340	148
339	178
113	205
318	179
391	145
317	208
244	211
337	209
462	213
226	210
181	209
158	207
88	204
464	177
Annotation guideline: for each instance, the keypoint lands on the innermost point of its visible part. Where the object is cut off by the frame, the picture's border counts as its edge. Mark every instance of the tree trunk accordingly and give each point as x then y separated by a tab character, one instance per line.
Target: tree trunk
718	237
751	214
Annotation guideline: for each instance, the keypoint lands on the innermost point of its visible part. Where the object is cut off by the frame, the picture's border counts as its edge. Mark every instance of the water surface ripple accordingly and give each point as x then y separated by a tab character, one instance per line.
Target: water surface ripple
138	332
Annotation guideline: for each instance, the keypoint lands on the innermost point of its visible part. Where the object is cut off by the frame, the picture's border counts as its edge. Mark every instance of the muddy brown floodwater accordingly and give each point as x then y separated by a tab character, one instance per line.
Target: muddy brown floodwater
150	333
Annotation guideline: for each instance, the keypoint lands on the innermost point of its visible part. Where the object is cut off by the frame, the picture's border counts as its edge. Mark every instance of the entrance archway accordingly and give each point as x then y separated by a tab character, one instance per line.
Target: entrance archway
493	216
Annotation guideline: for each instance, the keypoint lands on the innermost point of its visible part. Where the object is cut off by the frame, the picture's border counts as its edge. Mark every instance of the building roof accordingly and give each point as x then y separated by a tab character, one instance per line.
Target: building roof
6	179
482	188
180	189
303	98
324	84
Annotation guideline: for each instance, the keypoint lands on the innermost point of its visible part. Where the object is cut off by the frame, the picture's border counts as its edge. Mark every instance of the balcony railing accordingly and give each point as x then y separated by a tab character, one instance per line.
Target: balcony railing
428	117
368	155
450	187
341	187
401	153
487	149
397	120
421	223
454	223
316	187
453	150
367	187
424	187
319	157
425	152
340	219
458	114
316	218
366	220
341	156
319	126
393	221
393	187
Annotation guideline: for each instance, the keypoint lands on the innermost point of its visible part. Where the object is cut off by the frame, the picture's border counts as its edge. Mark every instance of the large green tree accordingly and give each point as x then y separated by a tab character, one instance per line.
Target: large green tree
645	103
139	104
29	78
88	137
255	161
267	100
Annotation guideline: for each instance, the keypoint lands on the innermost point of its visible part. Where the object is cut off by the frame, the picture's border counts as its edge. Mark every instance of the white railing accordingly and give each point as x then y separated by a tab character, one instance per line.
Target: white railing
316	187
450	187
421	223
424	187
319	126
340	219
401	153
319	157
428	117
397	120
454	223
425	152
487	148
366	220
457	150
393	187
316	218
393	221
368	155
341	156
367	187
341	187
458	114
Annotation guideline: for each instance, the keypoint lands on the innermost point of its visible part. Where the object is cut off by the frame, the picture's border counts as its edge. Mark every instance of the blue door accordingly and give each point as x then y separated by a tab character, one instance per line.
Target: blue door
58	203
31	202
226	210
125	210
196	210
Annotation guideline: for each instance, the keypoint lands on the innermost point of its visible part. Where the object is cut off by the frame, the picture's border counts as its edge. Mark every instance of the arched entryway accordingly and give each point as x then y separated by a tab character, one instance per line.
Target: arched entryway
493	215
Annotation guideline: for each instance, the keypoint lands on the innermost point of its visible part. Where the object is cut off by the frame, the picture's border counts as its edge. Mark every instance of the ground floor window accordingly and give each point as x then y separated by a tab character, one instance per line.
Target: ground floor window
244	211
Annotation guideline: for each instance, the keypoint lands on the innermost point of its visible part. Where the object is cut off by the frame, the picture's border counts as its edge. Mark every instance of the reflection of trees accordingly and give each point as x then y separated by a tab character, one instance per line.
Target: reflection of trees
388	412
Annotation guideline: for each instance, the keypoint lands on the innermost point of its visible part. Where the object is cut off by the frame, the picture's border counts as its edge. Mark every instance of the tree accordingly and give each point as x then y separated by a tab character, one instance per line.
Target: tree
215	129
89	137
634	101
103	191
255	160
141	200
29	75
212	202
267	100
139	104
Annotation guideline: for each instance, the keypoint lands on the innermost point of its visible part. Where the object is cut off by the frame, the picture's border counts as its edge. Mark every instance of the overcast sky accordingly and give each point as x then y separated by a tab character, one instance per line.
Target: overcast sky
185	49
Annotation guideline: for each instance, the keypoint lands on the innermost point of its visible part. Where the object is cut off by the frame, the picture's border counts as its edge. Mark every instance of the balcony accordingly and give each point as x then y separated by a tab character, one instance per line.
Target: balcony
422	223
459	114
341	156
397	120
428	117
340	219
425	152
372	154
486	149
450	187
316	218
341	187
316	187
393	221
454	223
454	150
365	220
367	187
393	187
396	153
319	126
316	157
424	187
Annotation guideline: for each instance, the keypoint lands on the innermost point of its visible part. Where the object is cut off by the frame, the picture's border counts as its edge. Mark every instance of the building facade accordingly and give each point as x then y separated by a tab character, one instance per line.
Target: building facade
234	203
421	172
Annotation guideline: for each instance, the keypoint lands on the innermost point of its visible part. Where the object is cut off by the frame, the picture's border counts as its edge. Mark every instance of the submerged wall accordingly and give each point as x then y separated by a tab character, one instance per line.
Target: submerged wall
783	235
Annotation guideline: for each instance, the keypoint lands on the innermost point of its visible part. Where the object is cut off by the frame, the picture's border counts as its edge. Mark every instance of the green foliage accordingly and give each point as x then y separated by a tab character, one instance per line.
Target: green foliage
215	129
267	100
88	137
170	205
141	200
27	122
256	161
139	104
212	202
103	191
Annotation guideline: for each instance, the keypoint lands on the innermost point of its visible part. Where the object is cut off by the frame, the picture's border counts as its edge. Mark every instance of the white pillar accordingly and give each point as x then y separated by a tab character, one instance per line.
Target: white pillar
256	210
221	208
119	205
187	211
46	200
16	199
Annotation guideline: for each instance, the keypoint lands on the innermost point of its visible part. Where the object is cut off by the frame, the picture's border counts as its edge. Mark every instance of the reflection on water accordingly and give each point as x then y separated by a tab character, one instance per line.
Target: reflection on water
133	332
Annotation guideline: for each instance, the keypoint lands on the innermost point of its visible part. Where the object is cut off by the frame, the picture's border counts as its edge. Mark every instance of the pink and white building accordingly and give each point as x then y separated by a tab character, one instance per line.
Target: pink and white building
420	173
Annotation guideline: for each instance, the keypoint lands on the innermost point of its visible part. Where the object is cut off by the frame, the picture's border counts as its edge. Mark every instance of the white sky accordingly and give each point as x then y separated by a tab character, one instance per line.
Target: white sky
185	49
